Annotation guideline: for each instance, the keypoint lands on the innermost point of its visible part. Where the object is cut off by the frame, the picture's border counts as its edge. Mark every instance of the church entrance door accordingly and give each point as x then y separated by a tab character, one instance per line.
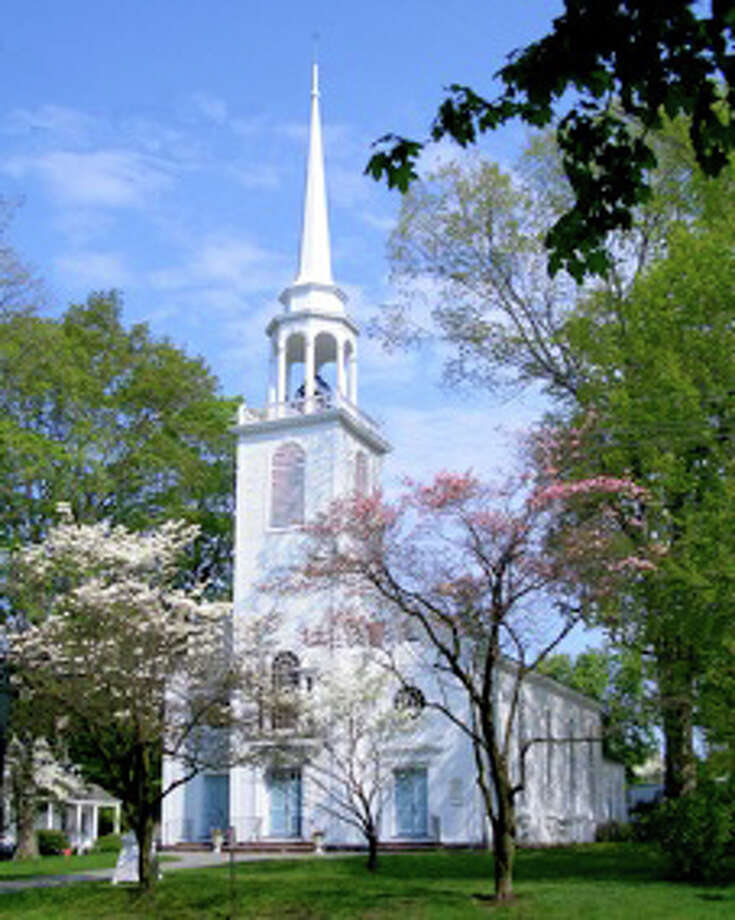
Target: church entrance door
285	787
216	802
411	802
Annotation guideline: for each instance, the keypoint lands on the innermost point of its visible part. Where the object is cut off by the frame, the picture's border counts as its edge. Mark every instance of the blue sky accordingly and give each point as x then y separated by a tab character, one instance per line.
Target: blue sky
159	148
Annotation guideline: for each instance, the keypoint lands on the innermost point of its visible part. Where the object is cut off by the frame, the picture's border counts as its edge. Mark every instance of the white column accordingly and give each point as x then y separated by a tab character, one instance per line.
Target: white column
116	819
309	372
78	821
272	377
281	384
95	822
353	375
341	388
50	816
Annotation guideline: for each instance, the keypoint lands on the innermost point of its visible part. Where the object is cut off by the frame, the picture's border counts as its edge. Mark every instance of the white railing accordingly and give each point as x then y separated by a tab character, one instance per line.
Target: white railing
294	408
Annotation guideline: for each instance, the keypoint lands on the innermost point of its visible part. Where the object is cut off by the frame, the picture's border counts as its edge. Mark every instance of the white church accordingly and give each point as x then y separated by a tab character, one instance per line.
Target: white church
308	445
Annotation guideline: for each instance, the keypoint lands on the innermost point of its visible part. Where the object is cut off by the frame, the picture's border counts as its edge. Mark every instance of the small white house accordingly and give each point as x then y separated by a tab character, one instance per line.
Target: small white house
66	802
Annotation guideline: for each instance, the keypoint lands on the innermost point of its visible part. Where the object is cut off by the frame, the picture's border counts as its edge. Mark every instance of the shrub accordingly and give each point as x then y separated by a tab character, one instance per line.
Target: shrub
695	832
51	842
108	843
645	820
613	832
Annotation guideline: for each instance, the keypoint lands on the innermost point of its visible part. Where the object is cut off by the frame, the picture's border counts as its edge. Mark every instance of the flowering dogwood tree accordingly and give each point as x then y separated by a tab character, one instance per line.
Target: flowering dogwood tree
132	666
492	580
356	730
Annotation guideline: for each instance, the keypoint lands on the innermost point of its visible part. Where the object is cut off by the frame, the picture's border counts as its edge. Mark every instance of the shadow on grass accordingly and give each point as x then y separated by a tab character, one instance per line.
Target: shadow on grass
592	862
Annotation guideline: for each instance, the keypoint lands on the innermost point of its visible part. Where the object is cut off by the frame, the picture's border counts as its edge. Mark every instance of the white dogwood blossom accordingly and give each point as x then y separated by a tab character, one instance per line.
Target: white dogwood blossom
137	666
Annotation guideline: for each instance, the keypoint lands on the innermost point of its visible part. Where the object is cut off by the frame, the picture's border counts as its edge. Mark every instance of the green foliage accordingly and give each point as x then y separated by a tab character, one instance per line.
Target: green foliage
659	402
654	60
695	832
644	821
121	426
52	842
618	679
108	843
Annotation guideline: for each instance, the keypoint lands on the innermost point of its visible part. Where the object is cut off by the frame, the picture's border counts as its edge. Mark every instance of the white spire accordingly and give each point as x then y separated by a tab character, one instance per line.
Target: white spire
315	264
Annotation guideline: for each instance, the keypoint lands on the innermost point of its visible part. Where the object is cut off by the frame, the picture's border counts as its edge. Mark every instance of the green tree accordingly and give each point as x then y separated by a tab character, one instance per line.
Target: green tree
716	705
117	426
647	354
660	387
469	266
627	64
121	426
618	679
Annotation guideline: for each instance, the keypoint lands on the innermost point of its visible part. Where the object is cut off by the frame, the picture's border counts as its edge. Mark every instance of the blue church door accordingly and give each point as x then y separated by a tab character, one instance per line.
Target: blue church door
216	803
285	786
411	802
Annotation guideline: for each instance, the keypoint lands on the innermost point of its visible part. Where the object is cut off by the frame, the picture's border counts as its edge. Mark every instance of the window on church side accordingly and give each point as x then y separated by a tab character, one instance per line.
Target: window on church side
361	473
572	762
285	676
287	497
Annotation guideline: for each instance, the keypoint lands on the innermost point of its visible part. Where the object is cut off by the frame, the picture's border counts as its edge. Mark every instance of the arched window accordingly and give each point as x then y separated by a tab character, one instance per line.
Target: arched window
285	677
361	473
409	699
287	500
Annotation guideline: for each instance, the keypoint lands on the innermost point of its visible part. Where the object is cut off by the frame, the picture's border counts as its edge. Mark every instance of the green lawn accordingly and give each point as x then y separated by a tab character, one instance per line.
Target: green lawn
600	882
55	865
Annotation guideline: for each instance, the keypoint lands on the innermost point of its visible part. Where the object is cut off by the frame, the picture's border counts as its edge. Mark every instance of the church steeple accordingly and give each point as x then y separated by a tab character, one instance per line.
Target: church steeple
315	263
313	289
313	355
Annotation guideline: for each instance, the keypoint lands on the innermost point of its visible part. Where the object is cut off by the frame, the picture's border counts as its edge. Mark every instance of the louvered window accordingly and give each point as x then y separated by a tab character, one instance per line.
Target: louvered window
287	504
361	473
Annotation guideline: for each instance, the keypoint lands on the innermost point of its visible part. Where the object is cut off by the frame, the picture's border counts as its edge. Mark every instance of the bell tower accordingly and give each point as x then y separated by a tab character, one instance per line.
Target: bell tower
310	443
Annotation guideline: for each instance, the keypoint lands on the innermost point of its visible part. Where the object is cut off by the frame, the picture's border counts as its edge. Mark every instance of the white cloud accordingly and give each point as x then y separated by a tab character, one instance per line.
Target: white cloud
229	263
105	178
384	223
54	119
210	107
348	187
257	175
89	269
250	127
294	131
484	439
235	262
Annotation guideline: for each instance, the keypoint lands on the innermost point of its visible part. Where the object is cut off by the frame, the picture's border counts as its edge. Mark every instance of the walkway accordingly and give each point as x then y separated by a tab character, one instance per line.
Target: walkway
184	860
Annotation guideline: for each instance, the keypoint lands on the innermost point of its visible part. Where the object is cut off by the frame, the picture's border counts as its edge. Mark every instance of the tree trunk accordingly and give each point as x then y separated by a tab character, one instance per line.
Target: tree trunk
504	845
27	840
680	764
24	798
676	686
147	869
372	839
